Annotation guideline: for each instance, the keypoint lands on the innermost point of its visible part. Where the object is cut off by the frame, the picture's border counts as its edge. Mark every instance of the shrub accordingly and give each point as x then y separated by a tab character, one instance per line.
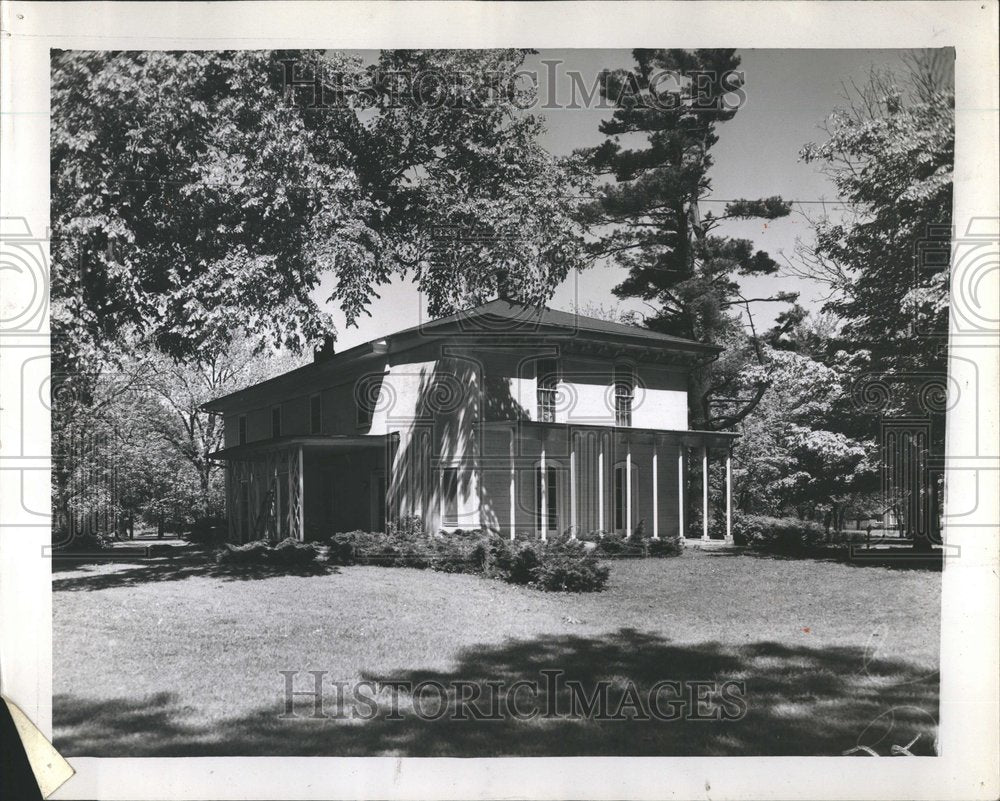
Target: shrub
778	534
664	547
615	545
568	568
292	553
408	527
83	543
248	554
288	553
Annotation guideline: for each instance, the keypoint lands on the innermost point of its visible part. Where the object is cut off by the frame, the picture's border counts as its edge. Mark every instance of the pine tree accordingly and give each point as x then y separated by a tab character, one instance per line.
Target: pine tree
650	221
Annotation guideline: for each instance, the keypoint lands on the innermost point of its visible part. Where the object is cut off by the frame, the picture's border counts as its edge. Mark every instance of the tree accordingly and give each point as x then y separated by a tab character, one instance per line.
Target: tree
890	153
649	219
200	196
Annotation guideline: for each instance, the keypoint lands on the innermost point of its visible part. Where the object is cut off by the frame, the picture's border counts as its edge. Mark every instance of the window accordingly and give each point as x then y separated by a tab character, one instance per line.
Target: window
276	421
316	414
621	520
449	496
547	379
242	424
624	392
551	494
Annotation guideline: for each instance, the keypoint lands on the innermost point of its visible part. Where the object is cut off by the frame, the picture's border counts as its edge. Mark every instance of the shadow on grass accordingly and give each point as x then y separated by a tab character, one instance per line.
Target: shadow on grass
130	572
799	701
901	558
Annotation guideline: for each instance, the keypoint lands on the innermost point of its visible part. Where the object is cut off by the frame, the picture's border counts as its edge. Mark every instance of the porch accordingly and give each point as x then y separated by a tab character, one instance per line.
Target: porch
554	478
300	486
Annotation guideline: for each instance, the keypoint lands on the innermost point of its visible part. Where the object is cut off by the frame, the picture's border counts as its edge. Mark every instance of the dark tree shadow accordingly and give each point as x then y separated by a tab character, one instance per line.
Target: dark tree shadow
176	568
798	701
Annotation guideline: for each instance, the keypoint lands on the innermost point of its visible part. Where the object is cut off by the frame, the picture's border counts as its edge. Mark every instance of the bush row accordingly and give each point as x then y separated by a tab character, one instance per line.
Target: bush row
555	566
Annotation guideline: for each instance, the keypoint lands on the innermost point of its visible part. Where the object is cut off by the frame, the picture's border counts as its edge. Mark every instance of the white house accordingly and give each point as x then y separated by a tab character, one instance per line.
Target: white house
503	417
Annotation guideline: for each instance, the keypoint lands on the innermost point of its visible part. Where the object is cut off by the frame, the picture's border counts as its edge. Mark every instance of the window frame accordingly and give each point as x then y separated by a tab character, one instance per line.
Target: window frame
623	391
547	394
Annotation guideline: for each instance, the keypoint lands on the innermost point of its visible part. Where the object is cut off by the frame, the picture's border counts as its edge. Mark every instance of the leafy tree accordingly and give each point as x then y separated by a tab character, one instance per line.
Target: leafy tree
198	196
649	219
890	152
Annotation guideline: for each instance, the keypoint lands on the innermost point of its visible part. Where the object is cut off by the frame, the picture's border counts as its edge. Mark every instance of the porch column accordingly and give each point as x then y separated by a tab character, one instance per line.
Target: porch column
680	490
545	496
513	487
656	506
729	497
628	489
301	505
704	492
600	486
232	502
572	486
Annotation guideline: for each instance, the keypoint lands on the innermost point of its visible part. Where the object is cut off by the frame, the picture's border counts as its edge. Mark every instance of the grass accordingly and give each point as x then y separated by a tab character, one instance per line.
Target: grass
173	658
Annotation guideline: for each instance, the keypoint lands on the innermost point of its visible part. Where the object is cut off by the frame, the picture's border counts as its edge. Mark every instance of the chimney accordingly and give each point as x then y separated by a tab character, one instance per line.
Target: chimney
325	351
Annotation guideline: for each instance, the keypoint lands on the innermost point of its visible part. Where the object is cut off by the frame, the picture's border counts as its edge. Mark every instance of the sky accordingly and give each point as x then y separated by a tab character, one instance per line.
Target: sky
789	95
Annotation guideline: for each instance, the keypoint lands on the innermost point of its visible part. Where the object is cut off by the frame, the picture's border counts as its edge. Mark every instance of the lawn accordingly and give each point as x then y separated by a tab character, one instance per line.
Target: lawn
168	658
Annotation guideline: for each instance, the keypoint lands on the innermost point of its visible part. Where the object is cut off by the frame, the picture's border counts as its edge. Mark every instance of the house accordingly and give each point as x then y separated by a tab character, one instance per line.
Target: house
503	417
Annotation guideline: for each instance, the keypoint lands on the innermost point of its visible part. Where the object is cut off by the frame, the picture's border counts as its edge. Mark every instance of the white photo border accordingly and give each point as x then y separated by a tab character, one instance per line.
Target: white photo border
968	765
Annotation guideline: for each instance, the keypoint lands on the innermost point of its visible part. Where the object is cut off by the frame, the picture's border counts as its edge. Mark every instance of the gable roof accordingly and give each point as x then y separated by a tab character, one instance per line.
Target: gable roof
489	320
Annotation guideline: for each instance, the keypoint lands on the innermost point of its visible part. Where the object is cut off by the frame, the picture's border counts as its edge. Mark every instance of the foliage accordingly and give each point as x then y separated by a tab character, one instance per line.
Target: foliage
615	545
287	554
548	566
134	443
777	534
649	220
890	153
795	451
199	197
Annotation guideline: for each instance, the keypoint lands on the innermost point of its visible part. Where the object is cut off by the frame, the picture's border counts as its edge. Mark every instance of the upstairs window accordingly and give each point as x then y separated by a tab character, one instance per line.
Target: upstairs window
242	428
624	393
547	378
276	422
315	415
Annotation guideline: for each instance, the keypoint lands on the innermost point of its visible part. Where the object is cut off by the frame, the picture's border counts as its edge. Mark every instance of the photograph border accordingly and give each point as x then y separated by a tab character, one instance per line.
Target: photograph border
968	763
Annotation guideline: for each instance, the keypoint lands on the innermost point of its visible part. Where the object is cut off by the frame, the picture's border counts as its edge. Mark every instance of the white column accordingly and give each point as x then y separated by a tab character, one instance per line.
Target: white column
302	497
729	496
628	490
704	492
656	505
680	490
545	496
513	487
572	486
600	486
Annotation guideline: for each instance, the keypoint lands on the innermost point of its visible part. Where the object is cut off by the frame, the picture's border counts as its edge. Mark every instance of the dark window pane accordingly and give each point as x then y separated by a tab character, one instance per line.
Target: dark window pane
276	421
243	429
